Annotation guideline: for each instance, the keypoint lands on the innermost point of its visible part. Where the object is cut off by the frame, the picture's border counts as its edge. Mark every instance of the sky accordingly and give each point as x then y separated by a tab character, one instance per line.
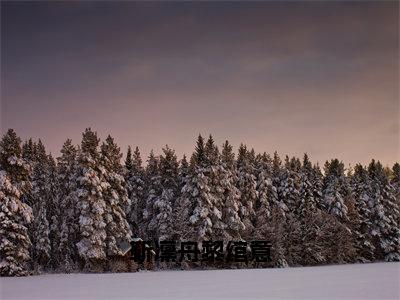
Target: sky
295	77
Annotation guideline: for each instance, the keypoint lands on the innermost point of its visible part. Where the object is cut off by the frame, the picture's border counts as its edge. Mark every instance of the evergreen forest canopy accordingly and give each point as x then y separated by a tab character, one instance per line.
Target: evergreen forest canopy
68	214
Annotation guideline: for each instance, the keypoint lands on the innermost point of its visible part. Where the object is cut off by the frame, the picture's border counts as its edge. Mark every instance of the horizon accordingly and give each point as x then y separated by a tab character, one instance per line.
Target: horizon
144	156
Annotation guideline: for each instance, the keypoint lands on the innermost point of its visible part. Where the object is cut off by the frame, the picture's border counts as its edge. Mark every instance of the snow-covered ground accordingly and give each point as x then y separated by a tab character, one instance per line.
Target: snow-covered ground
367	281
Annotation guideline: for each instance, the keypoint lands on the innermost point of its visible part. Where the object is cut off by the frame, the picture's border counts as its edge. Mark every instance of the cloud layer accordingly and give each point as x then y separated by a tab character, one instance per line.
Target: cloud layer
316	77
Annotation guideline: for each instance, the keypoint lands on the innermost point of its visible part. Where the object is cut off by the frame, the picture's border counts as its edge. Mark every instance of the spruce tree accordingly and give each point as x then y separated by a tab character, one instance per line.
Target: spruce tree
395	181
18	170
197	192
41	199
231	195
162	206
316	179
135	179
289	189
15	216
335	189
277	175
182	207
89	196
115	197
309	216
28	149
385	212
69	223
362	192
216	176
265	189
247	186
54	212
307	189
153	191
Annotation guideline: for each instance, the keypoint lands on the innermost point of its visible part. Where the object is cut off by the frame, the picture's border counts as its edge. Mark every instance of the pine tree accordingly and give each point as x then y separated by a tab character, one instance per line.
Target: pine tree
335	189
307	190
277	174
395	181
385	212
54	212
310	217
248	193
289	189
197	192
135	179
14	238
11	161
231	195
41	199
90	189
162	206
28	151
182	207
264	190
316	179
69	227
362	226
183	172
216	177
115	197
396	177
154	190
15	216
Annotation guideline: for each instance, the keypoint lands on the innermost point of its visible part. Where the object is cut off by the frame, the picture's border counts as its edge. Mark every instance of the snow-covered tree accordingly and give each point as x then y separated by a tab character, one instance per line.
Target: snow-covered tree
247	185
28	151
183	172
335	189
362	224
277	174
15	216
162	205
41	200
78	210
231	195
11	161
14	238
69	227
307	190
182	207
309	216
265	190
54	212
395	181
153	191
135	179
316	179
91	187
41	241
115	197
197	191
385	212
289	189
217	178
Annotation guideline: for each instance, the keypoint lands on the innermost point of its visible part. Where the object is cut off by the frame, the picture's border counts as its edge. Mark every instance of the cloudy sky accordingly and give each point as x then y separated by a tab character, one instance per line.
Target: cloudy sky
316	77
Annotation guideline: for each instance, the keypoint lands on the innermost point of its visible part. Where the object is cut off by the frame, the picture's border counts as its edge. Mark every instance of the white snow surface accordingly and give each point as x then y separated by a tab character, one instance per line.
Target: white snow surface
359	281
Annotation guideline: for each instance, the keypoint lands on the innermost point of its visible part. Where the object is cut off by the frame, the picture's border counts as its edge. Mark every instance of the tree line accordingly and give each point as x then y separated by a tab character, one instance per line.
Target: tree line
71	213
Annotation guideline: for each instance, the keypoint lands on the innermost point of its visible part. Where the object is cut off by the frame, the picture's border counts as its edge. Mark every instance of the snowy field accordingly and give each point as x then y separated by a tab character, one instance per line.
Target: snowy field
368	281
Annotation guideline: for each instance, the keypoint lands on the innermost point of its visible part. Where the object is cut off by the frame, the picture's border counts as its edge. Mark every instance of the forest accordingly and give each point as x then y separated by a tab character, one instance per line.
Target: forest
70	213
